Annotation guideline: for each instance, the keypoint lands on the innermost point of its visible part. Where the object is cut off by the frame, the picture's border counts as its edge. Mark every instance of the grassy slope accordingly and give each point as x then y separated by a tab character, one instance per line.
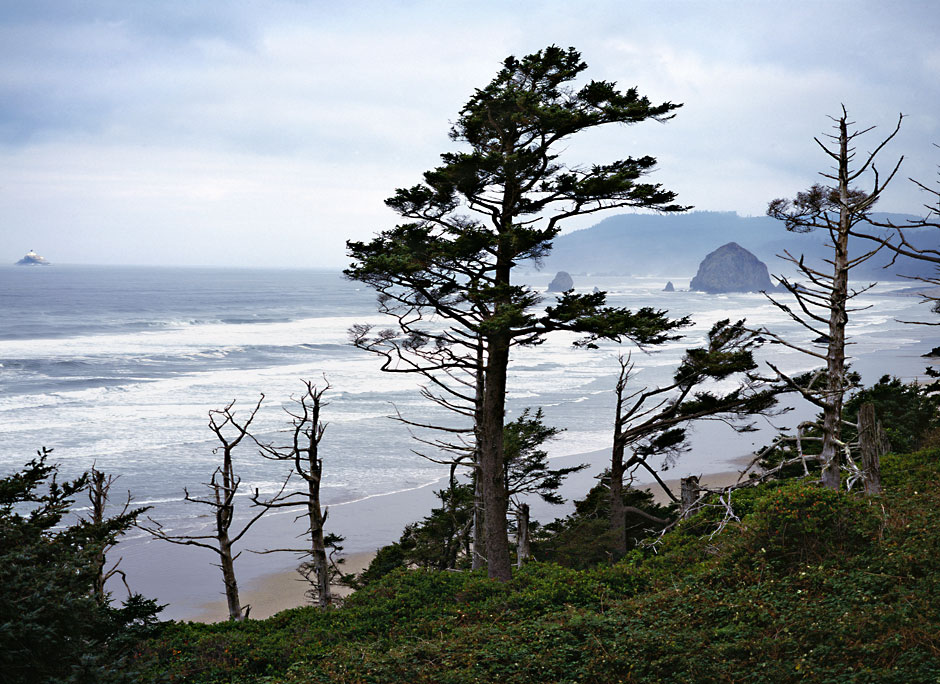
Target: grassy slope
811	586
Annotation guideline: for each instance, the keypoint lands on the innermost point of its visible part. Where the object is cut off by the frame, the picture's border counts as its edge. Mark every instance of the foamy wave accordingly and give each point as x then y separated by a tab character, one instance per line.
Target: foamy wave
182	323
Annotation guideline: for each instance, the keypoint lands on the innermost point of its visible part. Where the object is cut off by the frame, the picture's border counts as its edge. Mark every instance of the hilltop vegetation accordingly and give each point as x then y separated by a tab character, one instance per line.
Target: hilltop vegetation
811	585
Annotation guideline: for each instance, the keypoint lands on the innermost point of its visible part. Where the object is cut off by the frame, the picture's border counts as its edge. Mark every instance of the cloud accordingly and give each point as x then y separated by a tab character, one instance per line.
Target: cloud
255	130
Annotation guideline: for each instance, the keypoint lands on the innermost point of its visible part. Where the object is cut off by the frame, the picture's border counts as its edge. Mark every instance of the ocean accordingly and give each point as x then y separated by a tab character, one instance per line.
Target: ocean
118	367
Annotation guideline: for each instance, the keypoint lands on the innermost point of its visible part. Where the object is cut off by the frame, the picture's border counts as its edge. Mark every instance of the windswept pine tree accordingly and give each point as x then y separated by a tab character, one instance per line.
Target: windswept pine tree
496	203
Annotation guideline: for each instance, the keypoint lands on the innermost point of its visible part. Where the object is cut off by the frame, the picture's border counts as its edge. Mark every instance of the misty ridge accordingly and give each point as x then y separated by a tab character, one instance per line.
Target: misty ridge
675	244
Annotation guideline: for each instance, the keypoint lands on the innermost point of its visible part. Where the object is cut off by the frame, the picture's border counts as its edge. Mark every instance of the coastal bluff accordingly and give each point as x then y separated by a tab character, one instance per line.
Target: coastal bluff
731	268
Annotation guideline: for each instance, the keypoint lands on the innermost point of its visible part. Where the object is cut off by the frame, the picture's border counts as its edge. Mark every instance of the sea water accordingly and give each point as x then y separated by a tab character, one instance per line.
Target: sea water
118	368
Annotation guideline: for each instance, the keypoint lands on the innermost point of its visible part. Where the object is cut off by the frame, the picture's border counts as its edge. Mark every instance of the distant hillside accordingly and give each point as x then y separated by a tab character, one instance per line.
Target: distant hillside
669	244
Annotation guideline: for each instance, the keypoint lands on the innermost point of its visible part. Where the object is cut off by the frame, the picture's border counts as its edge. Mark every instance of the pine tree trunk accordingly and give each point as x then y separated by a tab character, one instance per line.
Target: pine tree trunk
98	495
492	466
479	554
478	559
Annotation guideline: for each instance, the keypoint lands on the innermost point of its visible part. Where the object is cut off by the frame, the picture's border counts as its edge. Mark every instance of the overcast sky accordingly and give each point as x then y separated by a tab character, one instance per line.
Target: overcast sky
268	133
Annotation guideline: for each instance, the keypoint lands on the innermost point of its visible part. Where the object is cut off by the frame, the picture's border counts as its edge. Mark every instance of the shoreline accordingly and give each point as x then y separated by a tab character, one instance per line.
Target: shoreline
273	592
278	591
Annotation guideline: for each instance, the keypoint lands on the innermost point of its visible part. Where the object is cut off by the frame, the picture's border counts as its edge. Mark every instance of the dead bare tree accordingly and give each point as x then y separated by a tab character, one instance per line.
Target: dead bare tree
899	240
99	495
222	486
822	299
303	453
654	421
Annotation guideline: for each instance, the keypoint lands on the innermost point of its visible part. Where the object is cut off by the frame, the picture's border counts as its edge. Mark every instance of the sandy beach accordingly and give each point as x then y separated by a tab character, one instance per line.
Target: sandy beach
279	591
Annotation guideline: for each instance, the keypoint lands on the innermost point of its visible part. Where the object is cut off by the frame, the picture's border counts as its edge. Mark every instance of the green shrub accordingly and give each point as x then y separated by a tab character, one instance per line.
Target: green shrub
52	627
804	523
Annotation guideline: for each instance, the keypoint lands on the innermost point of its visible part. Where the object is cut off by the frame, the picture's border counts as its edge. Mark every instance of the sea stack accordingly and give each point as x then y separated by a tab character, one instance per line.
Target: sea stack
731	268
562	282
669	287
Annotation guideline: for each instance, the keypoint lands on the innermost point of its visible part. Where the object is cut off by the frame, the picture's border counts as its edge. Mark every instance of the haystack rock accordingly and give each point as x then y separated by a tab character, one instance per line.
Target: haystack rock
669	287
731	268
562	282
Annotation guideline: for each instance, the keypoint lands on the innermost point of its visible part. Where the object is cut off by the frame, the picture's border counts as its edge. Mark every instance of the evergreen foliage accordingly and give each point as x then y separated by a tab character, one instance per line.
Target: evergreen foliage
585	539
908	412
52	627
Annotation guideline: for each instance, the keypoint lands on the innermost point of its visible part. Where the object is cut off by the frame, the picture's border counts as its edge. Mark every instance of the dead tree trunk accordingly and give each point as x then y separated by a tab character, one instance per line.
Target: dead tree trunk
303	452
618	515
689	495
318	556
871	443
523	549
835	352
227	564
618	521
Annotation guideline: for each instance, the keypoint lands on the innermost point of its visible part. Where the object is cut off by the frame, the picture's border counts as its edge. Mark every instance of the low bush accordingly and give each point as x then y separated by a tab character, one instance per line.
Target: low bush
805	523
810	586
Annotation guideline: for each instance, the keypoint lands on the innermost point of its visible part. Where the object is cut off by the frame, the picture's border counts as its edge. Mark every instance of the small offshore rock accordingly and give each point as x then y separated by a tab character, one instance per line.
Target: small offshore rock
669	287
32	259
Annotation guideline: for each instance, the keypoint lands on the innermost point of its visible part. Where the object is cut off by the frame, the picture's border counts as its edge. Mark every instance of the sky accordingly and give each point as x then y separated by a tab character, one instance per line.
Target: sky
267	133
